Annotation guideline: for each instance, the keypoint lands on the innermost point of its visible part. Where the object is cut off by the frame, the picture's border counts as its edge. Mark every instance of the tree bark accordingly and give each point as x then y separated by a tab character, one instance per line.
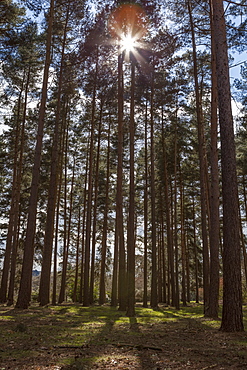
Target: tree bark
214	230
232	315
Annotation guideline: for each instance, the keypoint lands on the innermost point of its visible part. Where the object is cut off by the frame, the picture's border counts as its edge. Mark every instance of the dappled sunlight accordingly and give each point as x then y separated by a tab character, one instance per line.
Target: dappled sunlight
103	337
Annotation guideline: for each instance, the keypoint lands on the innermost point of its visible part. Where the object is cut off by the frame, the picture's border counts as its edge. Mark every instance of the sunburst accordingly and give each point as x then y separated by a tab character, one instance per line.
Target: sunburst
127	25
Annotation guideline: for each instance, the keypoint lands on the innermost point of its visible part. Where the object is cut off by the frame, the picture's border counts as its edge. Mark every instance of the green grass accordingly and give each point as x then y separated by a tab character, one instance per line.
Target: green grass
26	333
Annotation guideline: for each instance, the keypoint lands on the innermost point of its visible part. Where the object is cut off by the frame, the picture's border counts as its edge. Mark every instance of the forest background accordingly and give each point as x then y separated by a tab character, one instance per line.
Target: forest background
112	175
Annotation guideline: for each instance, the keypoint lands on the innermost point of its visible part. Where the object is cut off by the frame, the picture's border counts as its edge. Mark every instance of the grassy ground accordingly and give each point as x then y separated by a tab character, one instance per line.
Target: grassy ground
100	337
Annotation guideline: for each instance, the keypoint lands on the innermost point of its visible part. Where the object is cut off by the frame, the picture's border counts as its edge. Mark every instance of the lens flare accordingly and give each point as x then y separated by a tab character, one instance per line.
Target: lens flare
128	24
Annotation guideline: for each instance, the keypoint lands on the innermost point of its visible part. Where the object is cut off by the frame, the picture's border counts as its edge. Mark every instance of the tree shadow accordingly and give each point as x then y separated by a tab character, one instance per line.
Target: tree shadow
114	344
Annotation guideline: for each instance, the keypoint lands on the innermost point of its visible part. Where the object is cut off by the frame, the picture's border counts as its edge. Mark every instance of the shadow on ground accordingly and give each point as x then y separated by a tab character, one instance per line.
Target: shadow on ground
100	337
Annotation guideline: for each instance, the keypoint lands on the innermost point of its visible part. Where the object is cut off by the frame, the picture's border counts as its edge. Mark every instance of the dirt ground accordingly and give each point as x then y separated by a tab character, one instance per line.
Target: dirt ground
38	342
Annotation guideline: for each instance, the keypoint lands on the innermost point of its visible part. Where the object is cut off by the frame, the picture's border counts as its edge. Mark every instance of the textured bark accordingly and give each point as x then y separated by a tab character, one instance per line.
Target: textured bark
24	295
232	315
214	230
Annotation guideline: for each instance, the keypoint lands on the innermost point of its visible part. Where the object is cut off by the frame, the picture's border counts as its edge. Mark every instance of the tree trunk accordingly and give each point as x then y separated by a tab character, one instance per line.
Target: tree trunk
24	295
44	289
203	179
154	297
177	301
145	266
214	230
96	174
131	223
183	247
232	315
86	299
83	230
102	294
168	221
119	201
62	146
65	231
195	253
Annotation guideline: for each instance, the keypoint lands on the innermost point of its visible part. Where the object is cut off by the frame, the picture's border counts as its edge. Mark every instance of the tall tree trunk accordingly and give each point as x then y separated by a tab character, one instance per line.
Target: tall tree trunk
214	234
62	146
67	242
232	315
24	295
202	169
65	231
154	297
83	228
91	293
119	201
183	246
195	253
115	272
102	293
168	221
86	299
131	223
187	270
44	289
145	257
177	301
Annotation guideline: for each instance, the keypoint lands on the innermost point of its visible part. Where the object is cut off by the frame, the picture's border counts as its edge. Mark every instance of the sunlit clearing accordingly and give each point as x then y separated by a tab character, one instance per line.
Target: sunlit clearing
128	43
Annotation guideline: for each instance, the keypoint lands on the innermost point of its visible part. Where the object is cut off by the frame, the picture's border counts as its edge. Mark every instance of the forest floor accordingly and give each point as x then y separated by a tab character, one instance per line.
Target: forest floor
70	336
